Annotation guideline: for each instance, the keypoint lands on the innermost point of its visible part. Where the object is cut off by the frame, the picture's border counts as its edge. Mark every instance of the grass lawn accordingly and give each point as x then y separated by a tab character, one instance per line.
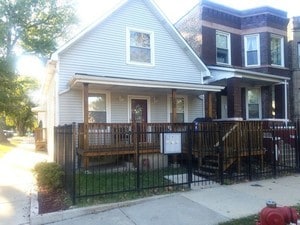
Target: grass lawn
249	220
6	147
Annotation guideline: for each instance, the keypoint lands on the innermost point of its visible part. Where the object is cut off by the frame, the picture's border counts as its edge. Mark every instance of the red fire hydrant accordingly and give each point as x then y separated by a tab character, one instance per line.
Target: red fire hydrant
273	215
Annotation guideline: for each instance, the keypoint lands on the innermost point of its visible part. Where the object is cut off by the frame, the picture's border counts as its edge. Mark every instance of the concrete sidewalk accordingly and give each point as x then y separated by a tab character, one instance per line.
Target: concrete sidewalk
196	207
16	183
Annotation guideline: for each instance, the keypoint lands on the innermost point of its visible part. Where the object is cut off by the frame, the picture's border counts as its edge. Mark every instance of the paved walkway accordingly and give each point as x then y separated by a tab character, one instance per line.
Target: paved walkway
208	206
199	206
16	183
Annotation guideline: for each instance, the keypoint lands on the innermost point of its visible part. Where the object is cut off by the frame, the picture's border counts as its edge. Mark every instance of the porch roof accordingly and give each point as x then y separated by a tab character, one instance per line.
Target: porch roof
221	74
124	84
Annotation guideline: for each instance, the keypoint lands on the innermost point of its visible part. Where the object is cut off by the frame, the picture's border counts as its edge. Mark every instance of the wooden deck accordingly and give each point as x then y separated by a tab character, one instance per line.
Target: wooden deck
103	139
236	139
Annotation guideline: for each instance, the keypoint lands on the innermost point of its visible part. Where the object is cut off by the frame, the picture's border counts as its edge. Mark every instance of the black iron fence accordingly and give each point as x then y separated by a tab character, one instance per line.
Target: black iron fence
157	158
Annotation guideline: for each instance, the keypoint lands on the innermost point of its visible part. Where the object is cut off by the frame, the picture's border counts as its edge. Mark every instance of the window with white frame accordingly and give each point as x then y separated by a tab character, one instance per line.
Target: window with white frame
252	50
253	103
97	108
140	47
180	109
277	52
223	47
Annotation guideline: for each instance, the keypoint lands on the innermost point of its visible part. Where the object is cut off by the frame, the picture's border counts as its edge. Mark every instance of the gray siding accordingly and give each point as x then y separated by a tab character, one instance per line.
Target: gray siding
196	108
102	52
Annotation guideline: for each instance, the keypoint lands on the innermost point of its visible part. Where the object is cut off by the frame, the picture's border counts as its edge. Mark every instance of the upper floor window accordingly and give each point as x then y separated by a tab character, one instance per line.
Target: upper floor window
97	112
277	55
223	47
252	50
140	47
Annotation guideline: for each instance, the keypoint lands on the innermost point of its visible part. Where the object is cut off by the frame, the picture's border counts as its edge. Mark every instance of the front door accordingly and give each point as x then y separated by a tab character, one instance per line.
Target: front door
139	110
139	115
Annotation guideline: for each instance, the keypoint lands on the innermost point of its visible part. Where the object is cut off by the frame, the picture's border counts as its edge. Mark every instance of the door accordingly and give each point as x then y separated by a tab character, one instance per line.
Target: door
139	110
139	116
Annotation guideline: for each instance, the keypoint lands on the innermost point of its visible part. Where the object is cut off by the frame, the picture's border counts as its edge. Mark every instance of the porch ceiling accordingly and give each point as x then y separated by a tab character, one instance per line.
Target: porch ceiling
133	85
248	78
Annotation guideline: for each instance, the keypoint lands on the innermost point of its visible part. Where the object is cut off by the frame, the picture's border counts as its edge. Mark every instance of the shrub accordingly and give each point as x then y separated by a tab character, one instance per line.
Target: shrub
48	175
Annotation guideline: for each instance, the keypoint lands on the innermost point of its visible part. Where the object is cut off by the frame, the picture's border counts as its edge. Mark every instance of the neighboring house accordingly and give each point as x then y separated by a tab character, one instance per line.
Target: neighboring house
246	51
130	66
294	41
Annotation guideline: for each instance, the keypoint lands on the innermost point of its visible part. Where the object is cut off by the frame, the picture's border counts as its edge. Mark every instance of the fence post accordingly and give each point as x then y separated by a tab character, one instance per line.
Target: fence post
138	130
274	147
297	145
191	136
73	163
249	153
221	154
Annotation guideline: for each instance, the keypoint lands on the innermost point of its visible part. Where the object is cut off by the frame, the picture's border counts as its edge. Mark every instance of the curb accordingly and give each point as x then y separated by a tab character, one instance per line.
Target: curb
40	219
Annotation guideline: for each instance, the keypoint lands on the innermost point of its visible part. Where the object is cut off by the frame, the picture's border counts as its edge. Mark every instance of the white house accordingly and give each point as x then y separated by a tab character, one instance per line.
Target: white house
131	65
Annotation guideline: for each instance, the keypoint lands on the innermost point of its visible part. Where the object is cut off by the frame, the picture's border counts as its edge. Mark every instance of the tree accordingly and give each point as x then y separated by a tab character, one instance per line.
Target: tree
19	113
33	26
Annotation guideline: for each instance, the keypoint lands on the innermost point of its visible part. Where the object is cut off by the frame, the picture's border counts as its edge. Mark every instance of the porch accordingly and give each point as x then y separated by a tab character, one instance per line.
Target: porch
213	145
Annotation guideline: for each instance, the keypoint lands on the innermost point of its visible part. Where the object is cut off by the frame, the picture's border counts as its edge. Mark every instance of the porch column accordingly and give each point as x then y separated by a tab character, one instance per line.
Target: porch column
211	105
285	102
174	108
85	116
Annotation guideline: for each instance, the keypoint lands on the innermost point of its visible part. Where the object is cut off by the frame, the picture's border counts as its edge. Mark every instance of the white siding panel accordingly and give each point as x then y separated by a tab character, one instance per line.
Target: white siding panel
159	109
71	105
103	50
195	108
119	108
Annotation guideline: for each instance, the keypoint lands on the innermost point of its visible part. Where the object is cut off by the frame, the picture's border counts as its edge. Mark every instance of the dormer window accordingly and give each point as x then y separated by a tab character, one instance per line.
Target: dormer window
140	47
223	47
277	52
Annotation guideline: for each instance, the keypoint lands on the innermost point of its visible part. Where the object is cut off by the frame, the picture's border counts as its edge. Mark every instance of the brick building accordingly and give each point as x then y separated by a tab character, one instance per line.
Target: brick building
245	51
294	43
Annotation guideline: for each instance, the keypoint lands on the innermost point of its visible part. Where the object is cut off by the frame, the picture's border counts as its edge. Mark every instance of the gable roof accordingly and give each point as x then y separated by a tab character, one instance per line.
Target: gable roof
163	20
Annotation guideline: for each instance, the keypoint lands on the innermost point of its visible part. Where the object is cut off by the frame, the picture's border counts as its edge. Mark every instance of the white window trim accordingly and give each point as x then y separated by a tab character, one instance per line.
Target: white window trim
169	106
128	61
257	36
108	103
228	44
130	97
281	49
259	105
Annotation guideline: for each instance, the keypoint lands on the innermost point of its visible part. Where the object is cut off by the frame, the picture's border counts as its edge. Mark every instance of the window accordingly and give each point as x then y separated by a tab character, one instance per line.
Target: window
180	109
277	55
140	48
253	103
97	108
252	53
223	47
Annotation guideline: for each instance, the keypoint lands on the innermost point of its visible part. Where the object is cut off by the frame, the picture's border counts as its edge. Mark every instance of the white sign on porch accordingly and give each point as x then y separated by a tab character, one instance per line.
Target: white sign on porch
170	143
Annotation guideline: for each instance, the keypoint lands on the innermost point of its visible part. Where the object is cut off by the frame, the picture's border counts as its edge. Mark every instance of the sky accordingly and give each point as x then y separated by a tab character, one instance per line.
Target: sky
90	10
